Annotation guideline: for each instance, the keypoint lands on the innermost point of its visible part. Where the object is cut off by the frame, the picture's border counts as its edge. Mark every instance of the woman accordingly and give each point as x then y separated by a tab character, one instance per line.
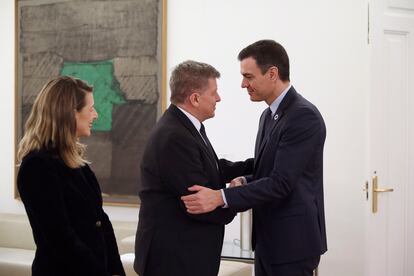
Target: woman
61	194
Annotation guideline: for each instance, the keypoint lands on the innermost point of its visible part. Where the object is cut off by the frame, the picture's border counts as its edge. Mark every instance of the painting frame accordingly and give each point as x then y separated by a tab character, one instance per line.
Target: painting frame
127	197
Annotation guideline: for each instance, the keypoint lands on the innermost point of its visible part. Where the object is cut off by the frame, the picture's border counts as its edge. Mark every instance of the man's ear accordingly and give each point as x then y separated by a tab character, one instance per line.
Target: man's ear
194	99
274	73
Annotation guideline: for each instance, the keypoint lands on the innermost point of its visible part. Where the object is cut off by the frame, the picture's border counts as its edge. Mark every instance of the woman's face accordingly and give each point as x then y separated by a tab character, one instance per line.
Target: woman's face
85	117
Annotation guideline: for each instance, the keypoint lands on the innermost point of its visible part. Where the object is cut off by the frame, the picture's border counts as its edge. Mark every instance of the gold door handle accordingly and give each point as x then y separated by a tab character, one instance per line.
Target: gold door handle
375	191
383	190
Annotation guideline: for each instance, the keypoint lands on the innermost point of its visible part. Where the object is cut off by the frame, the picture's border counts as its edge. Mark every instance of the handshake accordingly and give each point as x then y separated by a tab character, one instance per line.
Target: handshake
238	181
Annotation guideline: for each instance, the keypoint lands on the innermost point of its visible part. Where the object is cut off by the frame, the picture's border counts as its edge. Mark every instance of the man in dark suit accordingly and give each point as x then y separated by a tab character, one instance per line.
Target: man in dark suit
286	187
170	241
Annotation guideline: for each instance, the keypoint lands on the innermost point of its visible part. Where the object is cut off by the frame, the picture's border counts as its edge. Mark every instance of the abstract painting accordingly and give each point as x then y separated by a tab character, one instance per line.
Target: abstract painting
118	48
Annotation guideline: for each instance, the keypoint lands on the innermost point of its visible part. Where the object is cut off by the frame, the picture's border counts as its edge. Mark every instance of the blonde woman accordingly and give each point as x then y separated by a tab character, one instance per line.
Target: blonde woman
61	194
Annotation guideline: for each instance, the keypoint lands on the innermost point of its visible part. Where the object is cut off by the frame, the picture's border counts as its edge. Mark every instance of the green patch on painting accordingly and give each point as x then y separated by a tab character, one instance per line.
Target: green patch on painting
105	86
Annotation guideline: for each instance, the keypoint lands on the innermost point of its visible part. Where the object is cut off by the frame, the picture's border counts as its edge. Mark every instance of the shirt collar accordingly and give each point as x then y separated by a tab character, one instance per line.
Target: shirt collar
191	117
275	105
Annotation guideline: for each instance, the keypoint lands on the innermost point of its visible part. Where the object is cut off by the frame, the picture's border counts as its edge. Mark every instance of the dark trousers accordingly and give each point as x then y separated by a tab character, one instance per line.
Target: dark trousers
299	268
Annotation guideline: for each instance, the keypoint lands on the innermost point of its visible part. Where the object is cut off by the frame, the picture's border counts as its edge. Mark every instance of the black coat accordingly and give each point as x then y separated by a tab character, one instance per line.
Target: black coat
73	235
169	240
286	187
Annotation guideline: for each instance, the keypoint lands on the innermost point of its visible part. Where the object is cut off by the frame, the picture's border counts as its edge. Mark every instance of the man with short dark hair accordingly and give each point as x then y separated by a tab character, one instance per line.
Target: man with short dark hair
170	241
285	189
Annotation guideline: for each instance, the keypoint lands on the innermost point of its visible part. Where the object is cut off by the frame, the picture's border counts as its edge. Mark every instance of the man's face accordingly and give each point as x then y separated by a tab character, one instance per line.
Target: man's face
208	97
258	86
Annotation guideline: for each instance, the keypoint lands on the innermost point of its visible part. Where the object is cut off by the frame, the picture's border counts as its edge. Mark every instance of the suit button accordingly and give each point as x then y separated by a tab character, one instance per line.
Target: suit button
98	223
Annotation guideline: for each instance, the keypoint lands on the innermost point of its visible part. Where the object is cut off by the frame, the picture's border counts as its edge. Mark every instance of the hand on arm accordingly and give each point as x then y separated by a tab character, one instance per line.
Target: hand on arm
203	201
182	166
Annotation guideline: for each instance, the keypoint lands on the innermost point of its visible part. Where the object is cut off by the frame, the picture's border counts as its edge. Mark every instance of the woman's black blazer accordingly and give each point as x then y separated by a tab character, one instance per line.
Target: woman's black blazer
72	233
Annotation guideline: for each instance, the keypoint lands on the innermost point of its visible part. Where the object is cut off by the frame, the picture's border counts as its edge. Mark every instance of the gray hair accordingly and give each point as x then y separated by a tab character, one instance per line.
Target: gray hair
188	76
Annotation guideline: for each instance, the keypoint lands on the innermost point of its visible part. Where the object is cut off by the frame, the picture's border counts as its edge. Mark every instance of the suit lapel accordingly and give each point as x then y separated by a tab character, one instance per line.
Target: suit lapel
259	136
194	132
290	96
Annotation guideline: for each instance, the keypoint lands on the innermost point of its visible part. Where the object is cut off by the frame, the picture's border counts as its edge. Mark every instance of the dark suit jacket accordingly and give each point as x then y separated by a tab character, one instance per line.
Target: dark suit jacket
169	240
73	235
286	187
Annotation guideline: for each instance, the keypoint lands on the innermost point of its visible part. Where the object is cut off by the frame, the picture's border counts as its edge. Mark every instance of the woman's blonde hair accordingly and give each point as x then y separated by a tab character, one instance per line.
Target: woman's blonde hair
52	122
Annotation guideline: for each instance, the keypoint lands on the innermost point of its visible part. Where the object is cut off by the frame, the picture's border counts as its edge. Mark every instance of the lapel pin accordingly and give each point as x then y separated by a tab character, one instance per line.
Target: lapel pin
275	117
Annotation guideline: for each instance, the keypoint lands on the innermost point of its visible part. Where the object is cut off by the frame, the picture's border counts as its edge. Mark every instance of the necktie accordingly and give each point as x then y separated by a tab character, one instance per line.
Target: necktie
209	146
266	123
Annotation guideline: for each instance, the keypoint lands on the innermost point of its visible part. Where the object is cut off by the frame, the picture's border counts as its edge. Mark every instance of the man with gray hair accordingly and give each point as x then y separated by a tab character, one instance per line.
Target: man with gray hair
169	240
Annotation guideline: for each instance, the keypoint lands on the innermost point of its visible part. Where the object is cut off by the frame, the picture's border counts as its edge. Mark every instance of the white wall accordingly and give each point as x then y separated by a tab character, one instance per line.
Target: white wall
326	42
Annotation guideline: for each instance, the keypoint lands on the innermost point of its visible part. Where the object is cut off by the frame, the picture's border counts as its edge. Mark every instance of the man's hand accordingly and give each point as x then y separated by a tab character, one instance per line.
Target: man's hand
238	181
203	201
